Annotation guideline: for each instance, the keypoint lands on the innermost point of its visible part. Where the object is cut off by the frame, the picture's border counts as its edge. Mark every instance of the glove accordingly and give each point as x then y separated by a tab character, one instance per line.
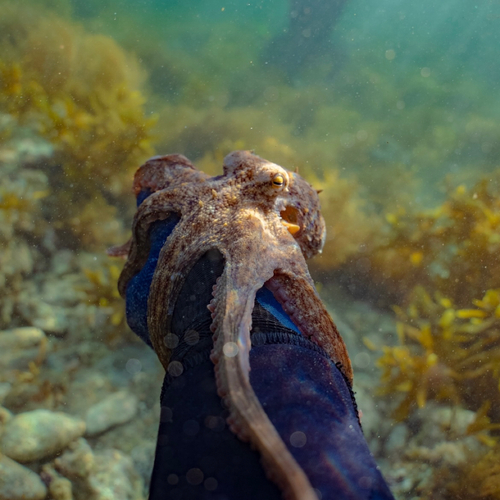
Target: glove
303	392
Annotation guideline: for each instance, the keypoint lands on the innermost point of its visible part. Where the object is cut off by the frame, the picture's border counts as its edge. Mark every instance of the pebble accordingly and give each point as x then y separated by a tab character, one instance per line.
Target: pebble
115	477
143	456
5	416
116	409
20	346
60	488
77	461
38	434
397	439
18	482
5	388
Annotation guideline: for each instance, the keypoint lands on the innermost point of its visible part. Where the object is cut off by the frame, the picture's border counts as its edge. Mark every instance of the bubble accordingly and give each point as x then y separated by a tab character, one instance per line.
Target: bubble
191	337
171	340
133	366
425	72
400	105
230	349
173	479
194	476
390	54
214	422
210	484
175	368
165	414
347	140
298	439
362	359
361	135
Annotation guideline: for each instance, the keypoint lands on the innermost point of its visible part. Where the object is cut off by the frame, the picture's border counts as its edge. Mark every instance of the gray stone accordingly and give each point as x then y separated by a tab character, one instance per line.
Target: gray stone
18	482
397	439
5	416
108	475
38	434
115	477
77	461
20	346
60	488
5	388
116	409
143	456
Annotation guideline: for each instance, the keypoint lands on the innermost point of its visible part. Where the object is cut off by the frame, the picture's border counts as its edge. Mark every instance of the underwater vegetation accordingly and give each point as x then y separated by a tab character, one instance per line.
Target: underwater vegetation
444	265
478	480
82	93
446	353
452	249
72	114
20	199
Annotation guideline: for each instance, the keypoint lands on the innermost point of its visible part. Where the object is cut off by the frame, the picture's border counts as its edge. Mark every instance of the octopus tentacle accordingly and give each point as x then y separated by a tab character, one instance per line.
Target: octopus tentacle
162	172
174	263
301	302
159	206
232	309
120	250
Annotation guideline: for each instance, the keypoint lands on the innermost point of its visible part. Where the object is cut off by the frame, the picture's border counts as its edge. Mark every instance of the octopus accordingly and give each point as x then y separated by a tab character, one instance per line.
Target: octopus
265	221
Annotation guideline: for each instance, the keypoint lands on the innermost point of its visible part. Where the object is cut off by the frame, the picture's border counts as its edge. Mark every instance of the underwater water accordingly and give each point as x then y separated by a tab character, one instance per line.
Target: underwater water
392	108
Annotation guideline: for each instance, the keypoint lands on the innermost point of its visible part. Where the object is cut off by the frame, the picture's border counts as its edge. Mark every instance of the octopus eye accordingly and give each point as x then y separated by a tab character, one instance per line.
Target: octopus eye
278	181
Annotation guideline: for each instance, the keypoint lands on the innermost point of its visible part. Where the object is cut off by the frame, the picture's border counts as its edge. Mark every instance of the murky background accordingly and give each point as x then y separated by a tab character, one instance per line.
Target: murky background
391	107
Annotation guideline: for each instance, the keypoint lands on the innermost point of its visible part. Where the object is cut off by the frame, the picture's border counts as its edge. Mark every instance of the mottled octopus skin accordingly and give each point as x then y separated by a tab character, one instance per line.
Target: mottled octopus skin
237	213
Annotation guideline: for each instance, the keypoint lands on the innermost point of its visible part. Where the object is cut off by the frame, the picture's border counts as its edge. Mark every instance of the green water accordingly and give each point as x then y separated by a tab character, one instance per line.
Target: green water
377	87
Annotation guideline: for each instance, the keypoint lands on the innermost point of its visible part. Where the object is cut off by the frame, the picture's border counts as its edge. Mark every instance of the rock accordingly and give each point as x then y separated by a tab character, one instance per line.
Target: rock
77	461
77	464
143	456
20	346
115	477
108	475
5	416
60	488
38	434
53	319
116	409
5	388
397	439
18	482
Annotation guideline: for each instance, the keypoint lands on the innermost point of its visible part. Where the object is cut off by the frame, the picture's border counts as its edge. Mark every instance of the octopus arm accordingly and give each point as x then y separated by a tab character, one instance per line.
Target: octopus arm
300	300
159	206
232	309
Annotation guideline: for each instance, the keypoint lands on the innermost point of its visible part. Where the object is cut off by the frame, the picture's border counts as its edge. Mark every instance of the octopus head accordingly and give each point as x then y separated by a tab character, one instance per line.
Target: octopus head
257	178
289	194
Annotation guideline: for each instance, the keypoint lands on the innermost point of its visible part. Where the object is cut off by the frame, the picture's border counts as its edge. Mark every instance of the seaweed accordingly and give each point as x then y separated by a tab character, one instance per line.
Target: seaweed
82	93
446	353
477	479
101	292
452	249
